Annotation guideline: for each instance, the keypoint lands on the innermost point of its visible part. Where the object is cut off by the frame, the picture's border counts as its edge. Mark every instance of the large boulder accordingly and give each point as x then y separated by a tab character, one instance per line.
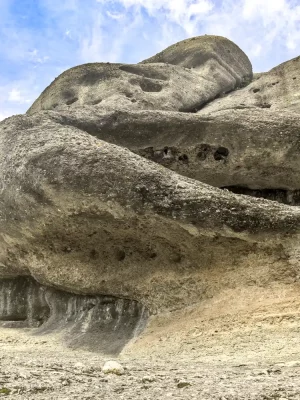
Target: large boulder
208	66
278	89
89	217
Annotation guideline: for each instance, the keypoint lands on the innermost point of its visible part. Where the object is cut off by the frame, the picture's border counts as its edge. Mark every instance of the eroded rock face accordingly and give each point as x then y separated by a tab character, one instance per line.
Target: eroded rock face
207	68
275	90
223	149
98	323
106	196
90	217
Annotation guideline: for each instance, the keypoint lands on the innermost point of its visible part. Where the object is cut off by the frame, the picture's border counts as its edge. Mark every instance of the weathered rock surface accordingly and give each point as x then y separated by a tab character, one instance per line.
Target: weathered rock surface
99	323
213	57
218	66
278	89
88	208
255	149
89	217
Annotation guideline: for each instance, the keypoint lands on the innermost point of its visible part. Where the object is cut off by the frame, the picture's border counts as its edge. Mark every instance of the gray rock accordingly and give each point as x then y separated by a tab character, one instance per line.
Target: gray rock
98	323
89	217
113	367
277	89
210	66
222	149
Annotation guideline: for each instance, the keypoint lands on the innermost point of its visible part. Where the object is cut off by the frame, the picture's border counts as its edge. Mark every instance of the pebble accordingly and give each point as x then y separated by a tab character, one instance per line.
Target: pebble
113	367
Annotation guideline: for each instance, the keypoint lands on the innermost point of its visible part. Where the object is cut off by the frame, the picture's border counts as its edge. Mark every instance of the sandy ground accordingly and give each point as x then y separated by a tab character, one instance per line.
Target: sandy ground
242	344
262	362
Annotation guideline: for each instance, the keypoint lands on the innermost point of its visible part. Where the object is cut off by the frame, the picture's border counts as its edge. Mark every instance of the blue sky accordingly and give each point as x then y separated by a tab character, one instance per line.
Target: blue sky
41	38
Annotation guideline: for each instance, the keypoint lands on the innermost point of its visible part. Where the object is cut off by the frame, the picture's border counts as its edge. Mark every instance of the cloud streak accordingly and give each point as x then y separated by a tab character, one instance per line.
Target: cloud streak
38	40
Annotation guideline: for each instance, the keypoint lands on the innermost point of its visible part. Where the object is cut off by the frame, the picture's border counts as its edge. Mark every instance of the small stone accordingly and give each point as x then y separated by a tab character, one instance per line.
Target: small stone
113	367
148	379
183	384
79	365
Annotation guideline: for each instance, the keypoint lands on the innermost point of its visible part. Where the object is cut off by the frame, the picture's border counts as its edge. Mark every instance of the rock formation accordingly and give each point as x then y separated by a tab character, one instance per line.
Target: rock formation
118	182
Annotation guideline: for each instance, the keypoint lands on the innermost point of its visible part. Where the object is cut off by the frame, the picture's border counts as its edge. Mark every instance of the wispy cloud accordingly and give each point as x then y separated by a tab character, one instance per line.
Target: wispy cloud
38	40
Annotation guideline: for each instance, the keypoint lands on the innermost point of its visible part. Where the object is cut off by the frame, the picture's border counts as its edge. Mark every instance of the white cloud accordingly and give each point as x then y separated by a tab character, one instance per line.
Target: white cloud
182	12
16	96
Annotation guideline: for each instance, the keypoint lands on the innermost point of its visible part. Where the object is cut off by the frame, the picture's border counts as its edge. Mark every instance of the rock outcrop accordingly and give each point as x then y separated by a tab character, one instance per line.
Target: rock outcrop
208	67
109	189
254	149
276	90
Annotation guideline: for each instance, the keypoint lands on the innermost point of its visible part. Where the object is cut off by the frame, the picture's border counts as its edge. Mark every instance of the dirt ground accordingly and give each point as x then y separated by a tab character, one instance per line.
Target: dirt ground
250	352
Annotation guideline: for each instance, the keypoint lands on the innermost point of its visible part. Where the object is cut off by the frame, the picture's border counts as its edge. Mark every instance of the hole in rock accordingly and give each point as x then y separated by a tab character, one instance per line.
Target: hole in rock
265	105
256	90
71	101
99	323
92	77
204	149
120	255
221	153
184	158
294	78
149	86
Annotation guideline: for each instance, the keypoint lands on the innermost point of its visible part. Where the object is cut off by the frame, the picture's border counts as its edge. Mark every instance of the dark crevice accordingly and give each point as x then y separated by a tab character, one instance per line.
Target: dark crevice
71	101
150	86
289	197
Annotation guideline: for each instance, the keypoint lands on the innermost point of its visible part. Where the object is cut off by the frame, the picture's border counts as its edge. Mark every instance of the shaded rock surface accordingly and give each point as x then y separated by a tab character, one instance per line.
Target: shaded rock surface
98	323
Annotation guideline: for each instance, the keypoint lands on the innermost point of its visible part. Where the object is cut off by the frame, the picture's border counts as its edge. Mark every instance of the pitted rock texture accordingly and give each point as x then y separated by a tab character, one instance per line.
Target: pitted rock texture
99	323
209	67
254	149
278	89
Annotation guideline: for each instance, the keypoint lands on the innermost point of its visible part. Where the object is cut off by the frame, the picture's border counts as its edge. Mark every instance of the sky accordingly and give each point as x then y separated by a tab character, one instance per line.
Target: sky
39	39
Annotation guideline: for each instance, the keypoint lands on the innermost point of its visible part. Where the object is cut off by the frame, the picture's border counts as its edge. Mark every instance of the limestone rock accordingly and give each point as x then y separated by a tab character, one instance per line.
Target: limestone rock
213	57
220	66
89	217
222	149
84	209
275	90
